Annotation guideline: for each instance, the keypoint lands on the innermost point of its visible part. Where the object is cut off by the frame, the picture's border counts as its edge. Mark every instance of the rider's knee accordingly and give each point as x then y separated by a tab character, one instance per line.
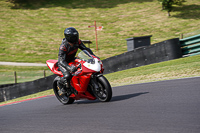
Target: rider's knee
67	75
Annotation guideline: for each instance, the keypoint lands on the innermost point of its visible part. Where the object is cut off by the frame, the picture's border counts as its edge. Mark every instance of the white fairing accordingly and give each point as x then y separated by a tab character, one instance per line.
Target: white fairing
95	67
51	65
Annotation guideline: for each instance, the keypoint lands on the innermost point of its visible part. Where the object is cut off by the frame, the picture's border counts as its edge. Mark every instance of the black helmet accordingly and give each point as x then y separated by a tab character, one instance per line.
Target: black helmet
72	35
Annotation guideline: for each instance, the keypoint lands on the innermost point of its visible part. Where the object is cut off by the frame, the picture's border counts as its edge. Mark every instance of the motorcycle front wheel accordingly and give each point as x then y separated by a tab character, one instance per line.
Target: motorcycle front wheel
64	99
104	92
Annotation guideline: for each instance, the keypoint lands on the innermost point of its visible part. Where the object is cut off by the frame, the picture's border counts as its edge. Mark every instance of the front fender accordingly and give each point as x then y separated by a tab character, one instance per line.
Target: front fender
96	75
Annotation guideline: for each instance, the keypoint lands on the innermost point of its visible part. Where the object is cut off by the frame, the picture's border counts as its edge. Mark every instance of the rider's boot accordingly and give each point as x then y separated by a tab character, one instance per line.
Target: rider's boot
67	87
63	88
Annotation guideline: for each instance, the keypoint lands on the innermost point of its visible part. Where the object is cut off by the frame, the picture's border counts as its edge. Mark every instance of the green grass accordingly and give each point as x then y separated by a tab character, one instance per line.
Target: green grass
24	74
33	32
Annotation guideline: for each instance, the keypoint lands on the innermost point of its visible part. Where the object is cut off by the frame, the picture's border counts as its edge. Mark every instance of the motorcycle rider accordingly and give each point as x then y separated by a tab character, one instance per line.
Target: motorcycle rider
67	52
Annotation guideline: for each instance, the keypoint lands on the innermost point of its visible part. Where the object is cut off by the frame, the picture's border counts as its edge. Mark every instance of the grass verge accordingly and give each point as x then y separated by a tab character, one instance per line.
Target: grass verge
179	68
24	74
33	31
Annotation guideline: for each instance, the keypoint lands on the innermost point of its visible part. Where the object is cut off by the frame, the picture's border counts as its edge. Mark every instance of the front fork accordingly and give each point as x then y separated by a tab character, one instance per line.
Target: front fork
94	81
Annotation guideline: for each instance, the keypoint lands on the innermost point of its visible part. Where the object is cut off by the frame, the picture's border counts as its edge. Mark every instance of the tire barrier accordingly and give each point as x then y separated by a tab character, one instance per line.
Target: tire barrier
163	51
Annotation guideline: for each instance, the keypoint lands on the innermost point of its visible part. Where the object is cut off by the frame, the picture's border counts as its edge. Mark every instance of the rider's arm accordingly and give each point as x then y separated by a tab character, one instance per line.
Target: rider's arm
83	47
62	58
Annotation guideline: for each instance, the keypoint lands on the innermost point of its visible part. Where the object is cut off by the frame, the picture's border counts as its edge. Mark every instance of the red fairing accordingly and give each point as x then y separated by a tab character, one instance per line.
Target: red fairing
52	64
81	82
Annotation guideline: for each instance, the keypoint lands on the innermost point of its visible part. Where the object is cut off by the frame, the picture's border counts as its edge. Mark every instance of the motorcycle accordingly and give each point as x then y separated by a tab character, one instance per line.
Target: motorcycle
88	79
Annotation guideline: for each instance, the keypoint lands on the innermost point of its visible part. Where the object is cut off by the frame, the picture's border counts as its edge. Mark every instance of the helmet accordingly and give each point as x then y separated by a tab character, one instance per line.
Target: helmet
72	35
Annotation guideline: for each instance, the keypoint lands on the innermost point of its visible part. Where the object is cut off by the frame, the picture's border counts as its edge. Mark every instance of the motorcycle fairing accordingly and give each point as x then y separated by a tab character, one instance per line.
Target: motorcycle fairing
52	64
95	67
81	82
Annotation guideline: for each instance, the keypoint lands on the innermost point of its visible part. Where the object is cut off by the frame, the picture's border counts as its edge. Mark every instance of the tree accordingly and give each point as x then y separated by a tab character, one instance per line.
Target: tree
168	4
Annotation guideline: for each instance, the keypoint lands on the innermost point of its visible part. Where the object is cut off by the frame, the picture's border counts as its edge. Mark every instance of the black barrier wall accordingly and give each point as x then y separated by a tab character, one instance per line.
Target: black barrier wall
163	51
27	88
6	85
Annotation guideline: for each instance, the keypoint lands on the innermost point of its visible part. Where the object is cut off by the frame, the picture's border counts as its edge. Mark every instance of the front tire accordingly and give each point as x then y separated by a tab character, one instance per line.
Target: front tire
64	99
104	92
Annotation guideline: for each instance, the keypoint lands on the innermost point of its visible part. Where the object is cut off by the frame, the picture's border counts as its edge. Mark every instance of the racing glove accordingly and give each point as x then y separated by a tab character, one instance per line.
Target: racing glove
72	68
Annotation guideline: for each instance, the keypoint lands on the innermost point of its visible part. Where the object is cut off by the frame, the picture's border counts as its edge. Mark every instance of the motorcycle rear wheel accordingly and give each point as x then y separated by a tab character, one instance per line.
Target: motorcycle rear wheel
104	93
64	99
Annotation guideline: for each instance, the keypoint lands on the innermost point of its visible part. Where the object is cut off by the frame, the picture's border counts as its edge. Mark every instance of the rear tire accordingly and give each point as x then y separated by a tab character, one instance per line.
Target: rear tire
64	99
104	93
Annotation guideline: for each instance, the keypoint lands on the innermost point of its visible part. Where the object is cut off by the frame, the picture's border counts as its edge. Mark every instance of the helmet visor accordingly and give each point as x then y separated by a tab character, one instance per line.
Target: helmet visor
74	39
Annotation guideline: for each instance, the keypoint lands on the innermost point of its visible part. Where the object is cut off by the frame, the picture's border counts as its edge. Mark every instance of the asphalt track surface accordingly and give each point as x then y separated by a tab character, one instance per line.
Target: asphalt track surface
159	107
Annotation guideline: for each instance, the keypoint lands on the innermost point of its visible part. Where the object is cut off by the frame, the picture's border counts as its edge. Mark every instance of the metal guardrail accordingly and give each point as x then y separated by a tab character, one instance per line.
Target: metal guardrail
190	46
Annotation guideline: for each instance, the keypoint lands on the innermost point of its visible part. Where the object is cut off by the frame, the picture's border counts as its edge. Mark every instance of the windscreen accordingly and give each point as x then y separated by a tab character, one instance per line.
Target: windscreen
85	55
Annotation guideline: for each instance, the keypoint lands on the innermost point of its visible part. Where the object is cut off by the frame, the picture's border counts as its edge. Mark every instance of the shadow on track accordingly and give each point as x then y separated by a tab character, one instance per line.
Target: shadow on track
124	97
114	99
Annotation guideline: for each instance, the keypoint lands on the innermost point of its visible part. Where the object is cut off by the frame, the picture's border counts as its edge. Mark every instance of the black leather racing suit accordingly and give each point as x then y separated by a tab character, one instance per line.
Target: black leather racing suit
67	54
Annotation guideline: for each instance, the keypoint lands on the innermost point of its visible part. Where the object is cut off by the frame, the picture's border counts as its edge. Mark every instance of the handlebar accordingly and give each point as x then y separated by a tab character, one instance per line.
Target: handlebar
77	72
78	66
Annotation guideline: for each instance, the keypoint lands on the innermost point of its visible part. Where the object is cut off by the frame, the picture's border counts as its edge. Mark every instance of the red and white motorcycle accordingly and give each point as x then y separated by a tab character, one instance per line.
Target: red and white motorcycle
88	80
